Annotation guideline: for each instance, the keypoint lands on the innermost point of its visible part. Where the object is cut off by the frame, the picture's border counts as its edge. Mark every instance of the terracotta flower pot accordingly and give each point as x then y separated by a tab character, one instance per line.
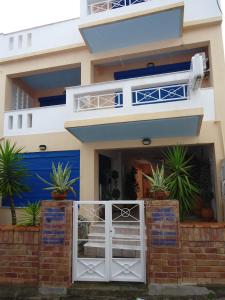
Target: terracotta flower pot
59	196
160	195
198	206
207	214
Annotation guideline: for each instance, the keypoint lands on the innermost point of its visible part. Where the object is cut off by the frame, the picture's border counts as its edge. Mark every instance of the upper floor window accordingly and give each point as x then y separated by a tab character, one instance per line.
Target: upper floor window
29	39
11	43
20	41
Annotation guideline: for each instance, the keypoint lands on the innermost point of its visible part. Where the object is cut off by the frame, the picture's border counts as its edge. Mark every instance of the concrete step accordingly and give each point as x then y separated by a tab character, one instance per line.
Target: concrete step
108	290
97	249
118	239
119	228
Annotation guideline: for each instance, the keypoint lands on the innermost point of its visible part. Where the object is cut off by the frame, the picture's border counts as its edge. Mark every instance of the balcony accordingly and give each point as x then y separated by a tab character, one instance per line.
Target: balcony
38	39
152	98
35	120
114	24
155	106
165	105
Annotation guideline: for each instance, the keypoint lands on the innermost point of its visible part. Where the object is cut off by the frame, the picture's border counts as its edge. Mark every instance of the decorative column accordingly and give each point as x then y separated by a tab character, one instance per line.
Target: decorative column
163	241
55	274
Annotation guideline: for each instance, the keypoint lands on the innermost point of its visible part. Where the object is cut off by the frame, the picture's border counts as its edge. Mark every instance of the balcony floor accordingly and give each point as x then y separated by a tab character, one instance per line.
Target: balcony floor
134	31
182	126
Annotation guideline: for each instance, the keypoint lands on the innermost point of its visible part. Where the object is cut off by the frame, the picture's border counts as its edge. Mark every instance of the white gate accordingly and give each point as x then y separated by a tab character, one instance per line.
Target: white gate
109	241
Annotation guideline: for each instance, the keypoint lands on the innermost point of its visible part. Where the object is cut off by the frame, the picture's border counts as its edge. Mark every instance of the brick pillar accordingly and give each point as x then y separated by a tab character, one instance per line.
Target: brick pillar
55	273
163	241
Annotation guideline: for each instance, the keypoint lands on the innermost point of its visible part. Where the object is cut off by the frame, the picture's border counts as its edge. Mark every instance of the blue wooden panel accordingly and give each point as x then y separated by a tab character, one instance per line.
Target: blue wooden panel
53	100
154	70
121	3
41	163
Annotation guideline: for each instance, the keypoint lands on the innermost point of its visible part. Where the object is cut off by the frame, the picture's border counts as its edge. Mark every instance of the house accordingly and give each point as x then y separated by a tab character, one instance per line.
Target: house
89	90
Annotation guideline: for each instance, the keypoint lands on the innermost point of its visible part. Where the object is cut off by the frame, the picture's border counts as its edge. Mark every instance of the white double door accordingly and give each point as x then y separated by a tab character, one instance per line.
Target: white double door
109	241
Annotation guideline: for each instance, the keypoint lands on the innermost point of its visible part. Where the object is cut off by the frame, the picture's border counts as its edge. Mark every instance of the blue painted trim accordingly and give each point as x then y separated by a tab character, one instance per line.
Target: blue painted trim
155	70
53	100
167	101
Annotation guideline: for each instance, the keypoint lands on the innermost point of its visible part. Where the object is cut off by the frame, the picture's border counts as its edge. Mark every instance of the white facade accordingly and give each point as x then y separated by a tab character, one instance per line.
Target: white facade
66	33
43	38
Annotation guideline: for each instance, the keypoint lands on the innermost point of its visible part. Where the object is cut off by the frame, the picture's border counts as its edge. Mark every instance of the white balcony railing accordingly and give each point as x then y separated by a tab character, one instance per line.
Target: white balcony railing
91	102
153	94
35	120
160	94
105	5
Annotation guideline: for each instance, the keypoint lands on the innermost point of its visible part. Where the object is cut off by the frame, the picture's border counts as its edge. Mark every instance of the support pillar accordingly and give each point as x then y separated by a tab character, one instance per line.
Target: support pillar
163	242
55	274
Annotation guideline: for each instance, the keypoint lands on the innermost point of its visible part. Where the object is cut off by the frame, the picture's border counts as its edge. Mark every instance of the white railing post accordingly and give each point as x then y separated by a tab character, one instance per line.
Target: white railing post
84	9
127	97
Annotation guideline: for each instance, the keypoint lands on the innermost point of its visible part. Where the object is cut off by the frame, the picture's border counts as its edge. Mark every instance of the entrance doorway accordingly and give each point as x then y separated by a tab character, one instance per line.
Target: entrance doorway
130	164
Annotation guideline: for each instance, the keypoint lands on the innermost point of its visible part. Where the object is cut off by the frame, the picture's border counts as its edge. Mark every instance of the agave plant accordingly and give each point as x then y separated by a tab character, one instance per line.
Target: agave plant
30	215
12	174
157	180
181	185
60	181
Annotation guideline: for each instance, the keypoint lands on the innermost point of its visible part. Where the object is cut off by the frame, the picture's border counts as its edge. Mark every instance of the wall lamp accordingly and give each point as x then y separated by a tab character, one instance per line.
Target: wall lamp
146	141
42	147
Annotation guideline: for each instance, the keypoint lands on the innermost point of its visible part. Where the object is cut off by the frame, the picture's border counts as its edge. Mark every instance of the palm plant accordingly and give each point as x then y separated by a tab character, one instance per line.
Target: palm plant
180	182
60	181
30	215
157	180
12	174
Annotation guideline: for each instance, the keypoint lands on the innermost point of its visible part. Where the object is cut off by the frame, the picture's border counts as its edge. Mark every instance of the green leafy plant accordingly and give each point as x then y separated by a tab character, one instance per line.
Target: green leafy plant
30	215
60	179
157	179
180	182
12	174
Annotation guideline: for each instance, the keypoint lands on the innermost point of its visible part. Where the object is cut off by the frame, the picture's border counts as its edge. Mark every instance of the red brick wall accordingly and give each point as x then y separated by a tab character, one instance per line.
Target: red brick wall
203	253
163	243
19	255
176	253
56	244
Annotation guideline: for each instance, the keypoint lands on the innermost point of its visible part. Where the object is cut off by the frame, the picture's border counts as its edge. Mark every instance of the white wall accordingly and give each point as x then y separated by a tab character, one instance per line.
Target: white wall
46	37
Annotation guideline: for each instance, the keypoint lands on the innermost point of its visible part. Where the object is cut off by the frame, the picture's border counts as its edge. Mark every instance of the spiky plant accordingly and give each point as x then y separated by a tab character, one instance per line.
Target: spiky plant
30	215
60	179
180	182
12	174
157	179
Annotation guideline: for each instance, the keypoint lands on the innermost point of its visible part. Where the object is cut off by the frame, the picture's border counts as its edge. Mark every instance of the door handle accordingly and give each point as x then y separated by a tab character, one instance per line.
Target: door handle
112	231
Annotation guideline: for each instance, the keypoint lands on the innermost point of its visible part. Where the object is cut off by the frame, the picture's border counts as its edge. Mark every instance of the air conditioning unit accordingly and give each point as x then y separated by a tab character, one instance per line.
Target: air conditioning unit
198	66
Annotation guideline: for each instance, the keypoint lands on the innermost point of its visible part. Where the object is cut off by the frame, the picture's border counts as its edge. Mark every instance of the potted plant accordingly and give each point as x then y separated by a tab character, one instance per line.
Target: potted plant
60	182
207	213
180	182
159	186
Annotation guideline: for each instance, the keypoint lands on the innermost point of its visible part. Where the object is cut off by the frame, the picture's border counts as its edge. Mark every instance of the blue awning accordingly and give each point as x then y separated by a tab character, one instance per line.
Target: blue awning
184	126
147	28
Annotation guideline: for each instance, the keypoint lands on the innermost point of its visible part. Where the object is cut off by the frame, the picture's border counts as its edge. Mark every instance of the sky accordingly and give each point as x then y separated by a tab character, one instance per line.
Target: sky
21	14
